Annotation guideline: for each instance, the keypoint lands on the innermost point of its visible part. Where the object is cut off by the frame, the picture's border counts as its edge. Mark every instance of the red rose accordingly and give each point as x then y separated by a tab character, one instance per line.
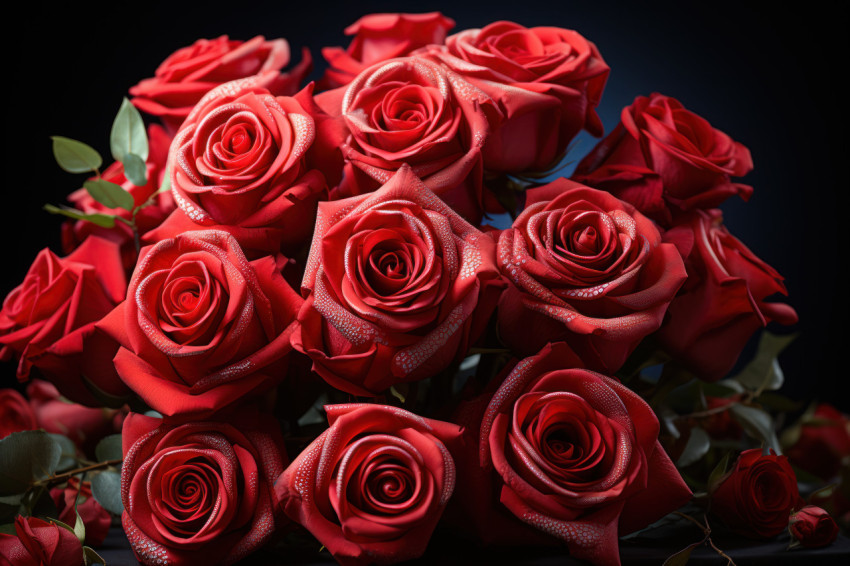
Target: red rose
824	443
39	543
662	156
190	72
575	454
372	487
812	527
379	37
47	322
758	495
84	425
588	269
200	493
202	326
147	218
547	82
96	519
15	413
723	300
397	286
413	111
238	164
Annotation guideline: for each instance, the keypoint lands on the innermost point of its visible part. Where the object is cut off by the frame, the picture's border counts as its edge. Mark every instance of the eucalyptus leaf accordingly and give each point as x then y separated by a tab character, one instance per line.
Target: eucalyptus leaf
74	156
756	423
763	372
102	220
109	448
25	457
106	489
109	194
91	557
69	451
697	446
135	170
128	135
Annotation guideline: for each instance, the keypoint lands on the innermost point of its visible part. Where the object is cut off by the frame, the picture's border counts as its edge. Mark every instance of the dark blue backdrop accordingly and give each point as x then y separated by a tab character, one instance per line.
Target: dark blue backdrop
767	78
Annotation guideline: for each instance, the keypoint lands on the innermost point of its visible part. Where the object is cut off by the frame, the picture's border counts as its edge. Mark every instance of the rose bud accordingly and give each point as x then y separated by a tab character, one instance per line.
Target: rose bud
202	327
372	487
200	493
16	414
824	443
413	111
238	164
397	286
147	218
547	81
73	499
190	72
379	37
662	158
723	302
587	269
571	454
756	498
812	527
47	322
39	543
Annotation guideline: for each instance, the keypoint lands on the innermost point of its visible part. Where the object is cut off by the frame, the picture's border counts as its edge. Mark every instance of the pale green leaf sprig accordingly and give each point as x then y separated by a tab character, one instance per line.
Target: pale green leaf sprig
128	144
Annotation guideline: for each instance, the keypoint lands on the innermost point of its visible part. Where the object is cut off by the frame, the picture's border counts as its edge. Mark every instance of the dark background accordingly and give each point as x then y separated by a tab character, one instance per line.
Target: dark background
767	78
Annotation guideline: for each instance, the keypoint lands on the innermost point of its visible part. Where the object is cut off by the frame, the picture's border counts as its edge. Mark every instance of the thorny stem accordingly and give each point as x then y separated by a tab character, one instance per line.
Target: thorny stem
706	529
57	479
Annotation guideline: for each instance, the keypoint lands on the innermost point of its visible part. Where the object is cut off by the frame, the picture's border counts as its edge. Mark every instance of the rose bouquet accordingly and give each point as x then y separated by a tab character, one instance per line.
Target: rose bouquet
358	312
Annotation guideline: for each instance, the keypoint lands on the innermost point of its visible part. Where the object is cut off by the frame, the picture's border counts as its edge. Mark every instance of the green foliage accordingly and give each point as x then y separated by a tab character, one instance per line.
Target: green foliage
128	135
109	194
109	448
135	170
74	156
69	452
26	457
757	424
102	220
697	446
91	557
106	489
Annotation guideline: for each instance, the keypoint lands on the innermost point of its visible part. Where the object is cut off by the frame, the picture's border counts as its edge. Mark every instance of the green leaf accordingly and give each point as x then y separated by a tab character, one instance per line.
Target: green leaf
135	170
74	156
757	424
8	529
128	134
69	451
102	220
79	527
26	457
718	473
109	194
681	558
109	448
91	557
65	526
697	447
106	489
763	372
